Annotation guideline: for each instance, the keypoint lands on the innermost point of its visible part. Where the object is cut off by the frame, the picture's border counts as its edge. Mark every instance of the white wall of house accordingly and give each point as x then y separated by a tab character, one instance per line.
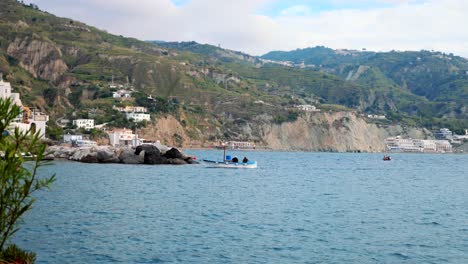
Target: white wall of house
138	117
123	137
70	138
84	123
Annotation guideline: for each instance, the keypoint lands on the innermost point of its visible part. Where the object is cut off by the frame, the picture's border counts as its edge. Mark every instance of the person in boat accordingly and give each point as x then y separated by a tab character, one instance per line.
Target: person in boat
235	159
245	160
386	157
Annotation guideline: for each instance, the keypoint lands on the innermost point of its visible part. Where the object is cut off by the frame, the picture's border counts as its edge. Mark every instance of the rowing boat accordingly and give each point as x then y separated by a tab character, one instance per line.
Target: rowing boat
229	164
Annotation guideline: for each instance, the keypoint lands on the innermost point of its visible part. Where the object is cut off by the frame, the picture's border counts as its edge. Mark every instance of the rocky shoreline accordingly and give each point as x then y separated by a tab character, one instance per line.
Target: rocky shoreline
143	154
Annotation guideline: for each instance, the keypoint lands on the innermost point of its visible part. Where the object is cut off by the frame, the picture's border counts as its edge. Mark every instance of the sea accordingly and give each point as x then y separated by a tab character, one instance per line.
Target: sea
296	207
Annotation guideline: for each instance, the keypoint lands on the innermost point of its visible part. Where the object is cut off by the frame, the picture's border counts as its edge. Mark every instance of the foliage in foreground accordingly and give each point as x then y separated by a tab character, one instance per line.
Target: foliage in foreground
14	254
22	154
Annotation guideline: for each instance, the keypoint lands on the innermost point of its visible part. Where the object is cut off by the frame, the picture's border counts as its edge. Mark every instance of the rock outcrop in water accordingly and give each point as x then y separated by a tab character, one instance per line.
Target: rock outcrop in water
143	154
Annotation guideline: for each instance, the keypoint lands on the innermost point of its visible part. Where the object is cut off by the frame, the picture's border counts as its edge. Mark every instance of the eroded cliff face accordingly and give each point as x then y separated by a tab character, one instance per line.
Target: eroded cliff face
168	130
40	58
342	132
337	132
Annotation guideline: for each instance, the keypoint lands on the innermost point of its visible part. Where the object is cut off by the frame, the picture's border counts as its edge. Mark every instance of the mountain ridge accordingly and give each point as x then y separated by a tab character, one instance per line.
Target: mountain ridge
65	67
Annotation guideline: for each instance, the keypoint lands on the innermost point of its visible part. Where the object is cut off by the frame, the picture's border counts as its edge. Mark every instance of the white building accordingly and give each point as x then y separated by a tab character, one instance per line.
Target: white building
122	94
239	145
138	117
381	117
131	109
85	143
30	118
307	108
443	133
398	144
70	139
123	137
443	146
425	145
84	123
137	113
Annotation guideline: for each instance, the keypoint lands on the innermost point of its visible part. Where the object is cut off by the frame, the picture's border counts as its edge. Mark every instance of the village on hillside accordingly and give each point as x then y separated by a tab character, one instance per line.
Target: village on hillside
33	119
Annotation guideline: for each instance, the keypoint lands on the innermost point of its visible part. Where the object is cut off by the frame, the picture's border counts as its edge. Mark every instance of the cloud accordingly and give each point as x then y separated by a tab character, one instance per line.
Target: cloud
397	24
297	10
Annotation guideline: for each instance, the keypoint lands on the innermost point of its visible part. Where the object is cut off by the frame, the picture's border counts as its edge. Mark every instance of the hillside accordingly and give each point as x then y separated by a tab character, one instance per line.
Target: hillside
430	85
202	93
211	52
64	67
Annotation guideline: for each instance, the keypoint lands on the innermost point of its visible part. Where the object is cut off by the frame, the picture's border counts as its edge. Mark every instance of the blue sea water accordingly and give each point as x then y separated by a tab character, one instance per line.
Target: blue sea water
295	208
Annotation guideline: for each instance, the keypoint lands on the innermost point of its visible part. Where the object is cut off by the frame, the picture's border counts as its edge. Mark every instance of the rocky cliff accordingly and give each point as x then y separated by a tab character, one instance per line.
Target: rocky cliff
342	131
41	59
337	132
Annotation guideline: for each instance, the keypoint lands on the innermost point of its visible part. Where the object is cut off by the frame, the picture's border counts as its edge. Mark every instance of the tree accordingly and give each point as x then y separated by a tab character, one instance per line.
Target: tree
22	154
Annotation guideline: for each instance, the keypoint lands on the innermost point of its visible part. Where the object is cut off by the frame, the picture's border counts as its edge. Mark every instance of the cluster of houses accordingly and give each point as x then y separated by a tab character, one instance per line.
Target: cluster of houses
122	91
30	118
445	133
118	137
240	145
442	144
398	144
135	113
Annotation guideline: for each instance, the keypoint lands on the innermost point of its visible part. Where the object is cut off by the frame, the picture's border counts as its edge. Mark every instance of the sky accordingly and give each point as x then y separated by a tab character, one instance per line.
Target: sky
259	26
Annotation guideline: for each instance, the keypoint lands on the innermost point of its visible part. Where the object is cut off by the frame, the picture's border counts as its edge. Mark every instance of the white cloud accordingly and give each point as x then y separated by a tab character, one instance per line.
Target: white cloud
405	25
297	10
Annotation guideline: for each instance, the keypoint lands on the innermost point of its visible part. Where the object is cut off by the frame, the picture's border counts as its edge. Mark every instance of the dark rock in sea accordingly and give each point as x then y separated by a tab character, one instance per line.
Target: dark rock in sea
190	160
143	154
128	156
175	156
176	161
107	156
152	154
90	158
174	153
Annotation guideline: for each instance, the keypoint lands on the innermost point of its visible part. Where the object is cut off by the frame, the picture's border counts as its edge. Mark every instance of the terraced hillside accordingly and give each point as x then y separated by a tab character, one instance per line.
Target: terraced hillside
64	67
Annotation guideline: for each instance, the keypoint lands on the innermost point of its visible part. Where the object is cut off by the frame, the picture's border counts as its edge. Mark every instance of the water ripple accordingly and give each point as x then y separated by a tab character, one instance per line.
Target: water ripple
295	208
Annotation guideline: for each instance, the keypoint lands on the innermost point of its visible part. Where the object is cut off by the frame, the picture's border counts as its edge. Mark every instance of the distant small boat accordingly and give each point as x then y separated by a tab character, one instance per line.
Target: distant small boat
387	158
233	163
230	164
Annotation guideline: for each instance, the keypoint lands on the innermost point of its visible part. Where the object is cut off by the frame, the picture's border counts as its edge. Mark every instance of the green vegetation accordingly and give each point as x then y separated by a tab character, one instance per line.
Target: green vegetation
18	178
220	85
14	254
319	55
419	88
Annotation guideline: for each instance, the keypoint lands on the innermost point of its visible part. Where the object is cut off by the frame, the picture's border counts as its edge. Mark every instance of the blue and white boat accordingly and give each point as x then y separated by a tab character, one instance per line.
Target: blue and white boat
229	164
233	163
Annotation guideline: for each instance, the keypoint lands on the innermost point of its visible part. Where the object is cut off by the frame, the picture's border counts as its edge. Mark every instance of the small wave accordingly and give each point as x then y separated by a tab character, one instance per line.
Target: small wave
426	246
153	260
431	223
339	249
300	230
400	256
364	169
